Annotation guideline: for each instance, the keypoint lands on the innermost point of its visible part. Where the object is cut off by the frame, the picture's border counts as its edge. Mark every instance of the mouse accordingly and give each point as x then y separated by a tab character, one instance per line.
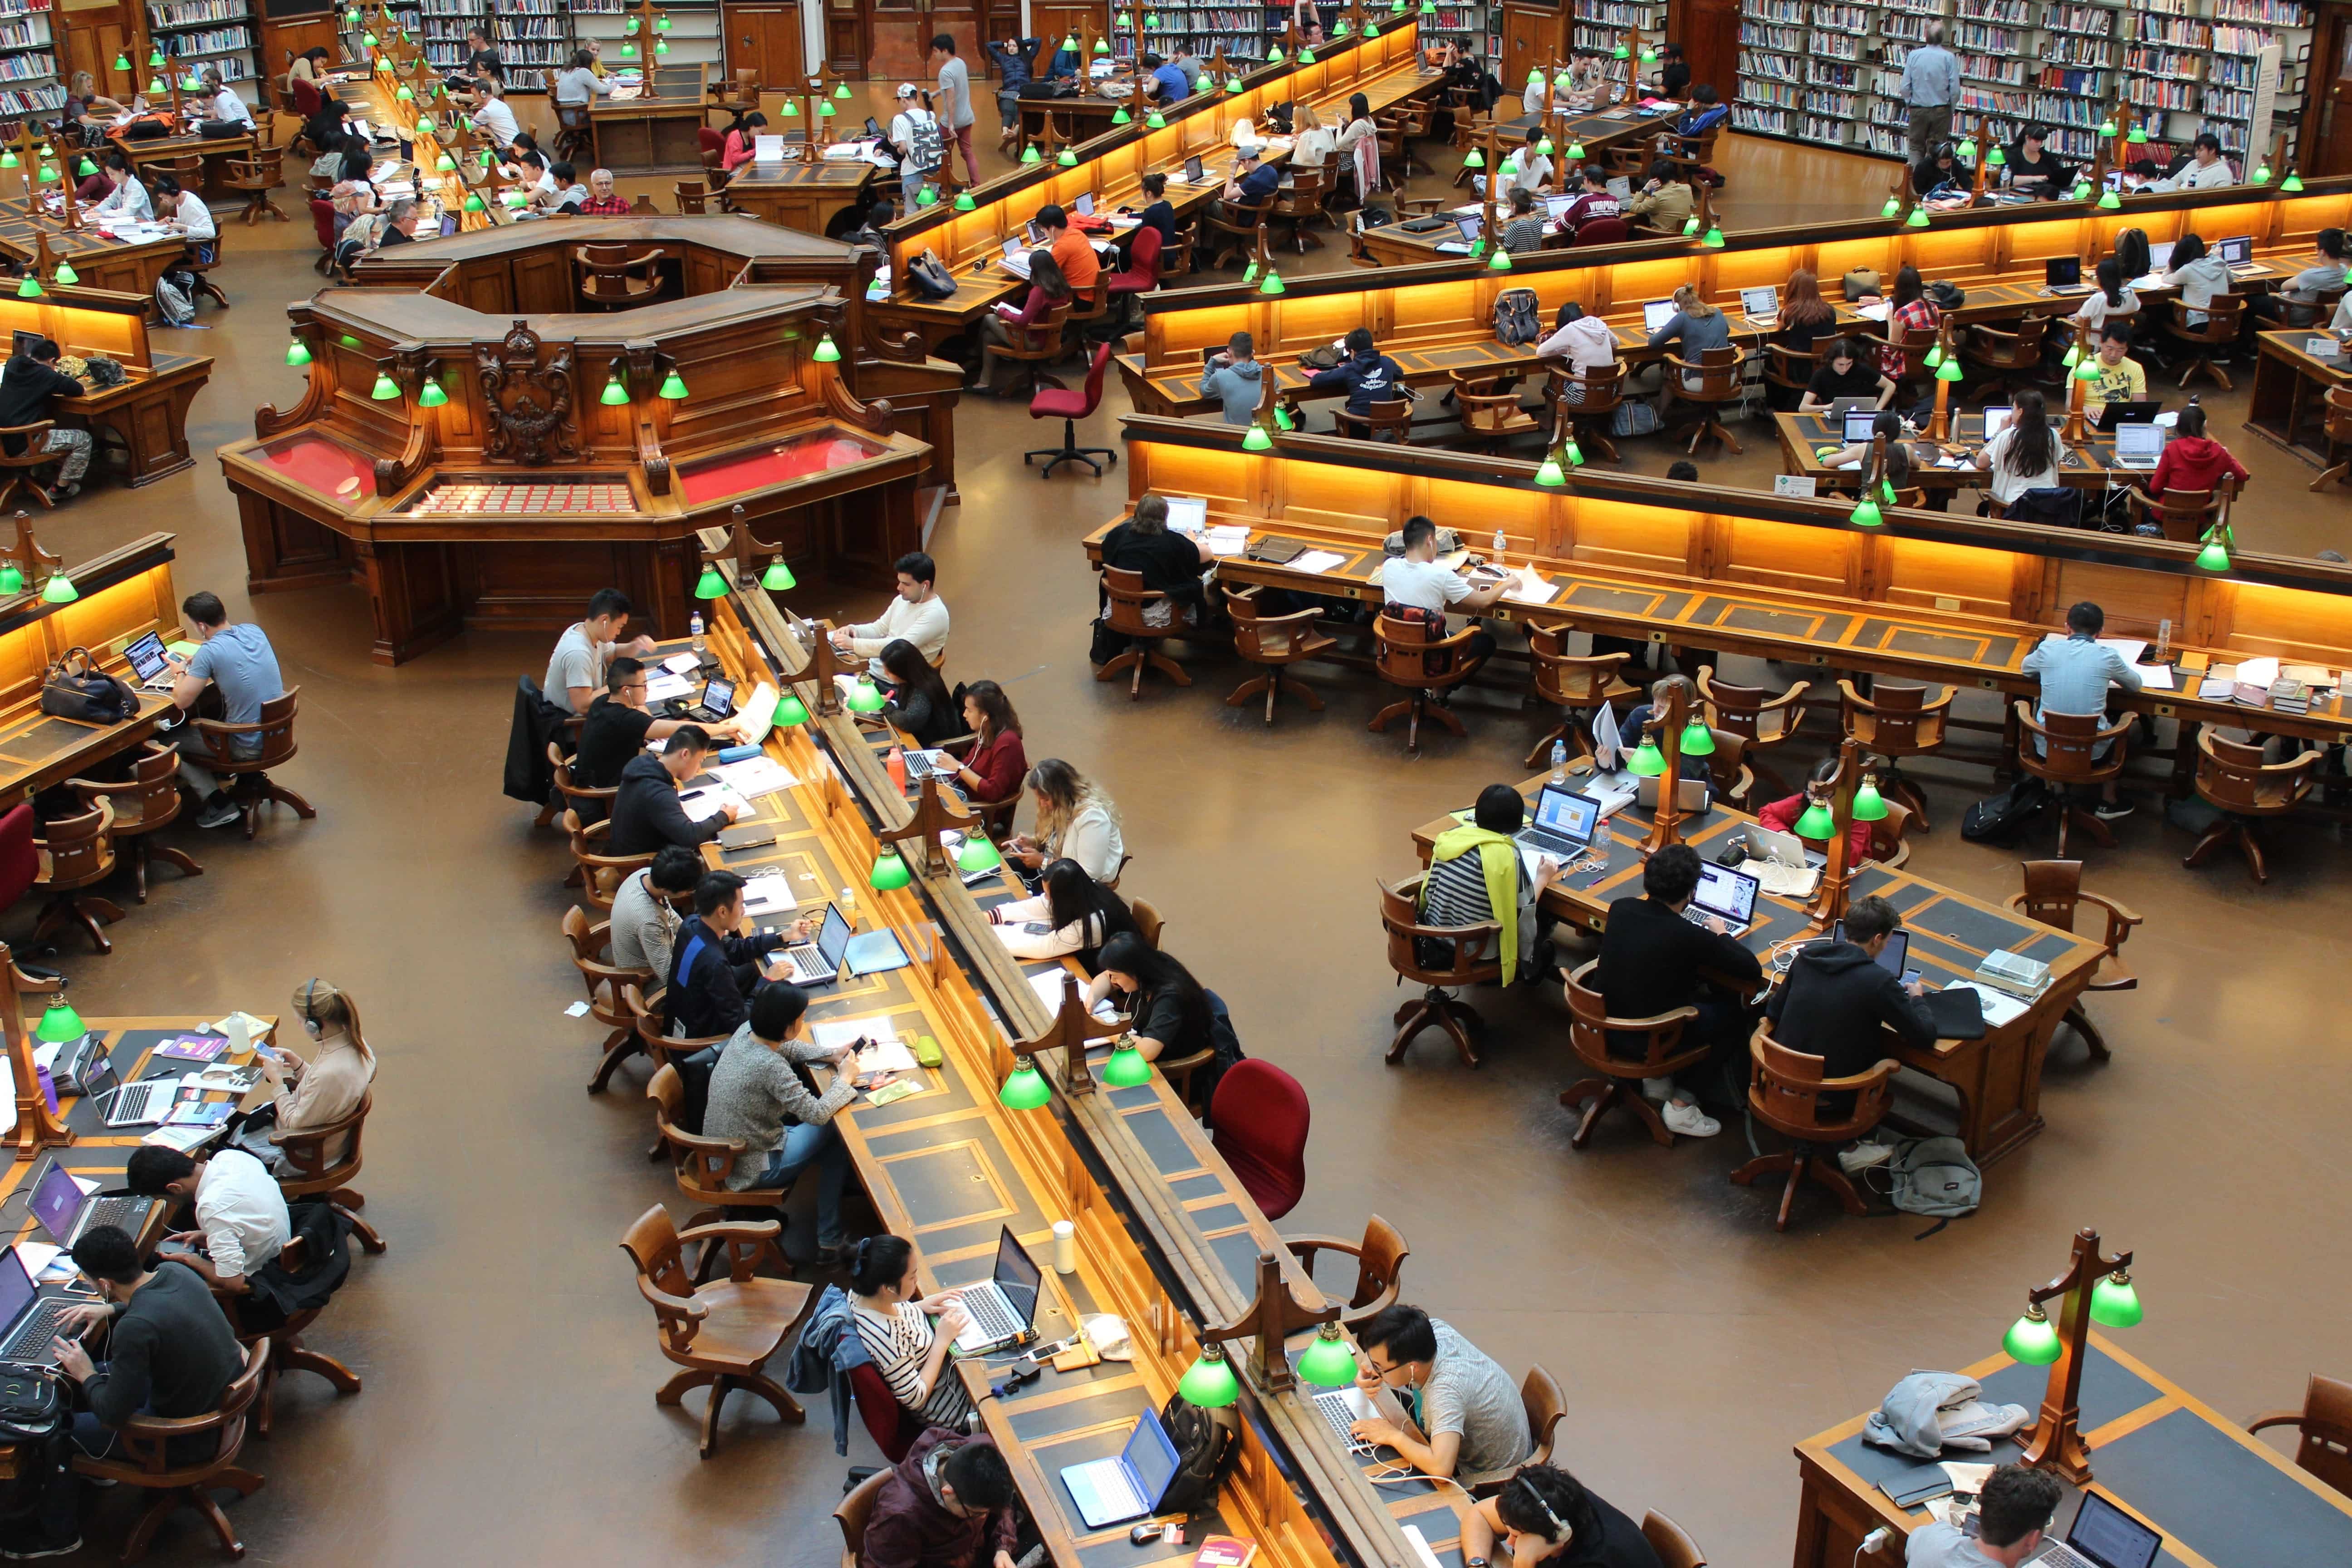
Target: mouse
1144	1534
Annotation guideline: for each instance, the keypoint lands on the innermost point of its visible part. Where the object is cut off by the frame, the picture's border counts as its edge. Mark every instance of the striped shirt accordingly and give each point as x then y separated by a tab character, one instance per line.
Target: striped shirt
1455	892
899	1345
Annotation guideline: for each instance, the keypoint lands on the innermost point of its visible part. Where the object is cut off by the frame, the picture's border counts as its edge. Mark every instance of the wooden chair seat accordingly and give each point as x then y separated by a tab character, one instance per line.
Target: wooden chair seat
1490	414
1586	417
250	787
1390	421
2069	759
1379	1266
600	875
2236	781
1407	656
2008	359
1720	373
2324	1426
1130	600
257	174
2183	515
1235	230
720	1334
144	804
618	276
32	441
1617	1078
1275	643
1671	1541
1785	1094
1401	919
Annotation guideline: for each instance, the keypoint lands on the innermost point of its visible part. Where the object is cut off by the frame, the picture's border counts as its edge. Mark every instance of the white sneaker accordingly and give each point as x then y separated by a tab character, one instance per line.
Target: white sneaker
1858	1157
1690	1121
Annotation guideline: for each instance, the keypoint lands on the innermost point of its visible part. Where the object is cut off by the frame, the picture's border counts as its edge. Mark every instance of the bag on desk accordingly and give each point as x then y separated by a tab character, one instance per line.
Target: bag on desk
220	130
1859	283
1519	318
1208	1446
74	687
103	371
930	276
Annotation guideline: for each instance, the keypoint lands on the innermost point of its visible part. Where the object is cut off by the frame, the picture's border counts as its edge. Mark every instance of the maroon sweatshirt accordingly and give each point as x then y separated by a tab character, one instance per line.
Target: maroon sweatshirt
911	1528
2193	463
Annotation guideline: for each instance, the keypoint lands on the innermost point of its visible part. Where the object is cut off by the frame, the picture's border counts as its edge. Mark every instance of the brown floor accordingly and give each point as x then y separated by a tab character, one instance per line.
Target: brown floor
510	1365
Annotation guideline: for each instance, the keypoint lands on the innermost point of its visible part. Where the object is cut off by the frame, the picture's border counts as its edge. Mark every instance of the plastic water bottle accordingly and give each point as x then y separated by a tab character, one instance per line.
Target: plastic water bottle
1559	762
1500	542
848	903
694	628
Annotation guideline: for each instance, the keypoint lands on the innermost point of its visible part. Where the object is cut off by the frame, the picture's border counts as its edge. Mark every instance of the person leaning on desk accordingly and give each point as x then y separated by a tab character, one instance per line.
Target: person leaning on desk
760	1097
1845	371
2015	1508
1076	914
1367	376
948	1504
2031	167
1545	1516
29	380
1169	562
2121	378
1415	581
648	812
238	662
575	671
1464	1416
1253	180
1837	998
1654	961
619	726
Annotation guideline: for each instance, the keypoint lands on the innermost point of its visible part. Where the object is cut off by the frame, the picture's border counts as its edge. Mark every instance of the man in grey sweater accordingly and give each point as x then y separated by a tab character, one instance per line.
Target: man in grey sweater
170	1351
760	1097
1235	379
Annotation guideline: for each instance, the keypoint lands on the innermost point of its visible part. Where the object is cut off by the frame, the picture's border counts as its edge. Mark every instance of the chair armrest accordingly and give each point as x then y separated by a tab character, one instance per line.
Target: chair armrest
678	1306
2025	716
1657	1021
1847	694
1879	1072
1789	698
1283	623
734	1230
223	727
1305	1247
2275	1418
2302	764
1451	934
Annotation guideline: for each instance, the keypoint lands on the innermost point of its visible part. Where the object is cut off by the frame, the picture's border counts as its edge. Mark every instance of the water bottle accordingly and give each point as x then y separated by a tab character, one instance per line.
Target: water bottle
694	628
1559	762
848	905
1500	542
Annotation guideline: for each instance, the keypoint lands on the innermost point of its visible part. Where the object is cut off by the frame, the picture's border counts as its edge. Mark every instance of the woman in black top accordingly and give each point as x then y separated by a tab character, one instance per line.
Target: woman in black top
919	703
1545	1515
1805	314
1160	214
1168	1011
2032	169
1941	173
1168	562
1844	372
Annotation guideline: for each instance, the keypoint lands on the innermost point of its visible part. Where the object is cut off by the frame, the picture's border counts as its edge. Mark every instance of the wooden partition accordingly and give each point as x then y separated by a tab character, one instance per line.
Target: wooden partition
125	594
85	322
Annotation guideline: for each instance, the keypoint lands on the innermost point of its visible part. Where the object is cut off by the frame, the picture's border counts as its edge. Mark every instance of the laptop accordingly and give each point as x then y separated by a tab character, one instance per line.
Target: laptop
1728	895
2236	252
2064	275
2159	256
1563	823
2102	1536
1781	849
1341	1409
1656	313
1193	173
32	1319
1001	1308
1016	258
818	962
715	704
1556	207
1997	416
2115	416
65	1211
1690	794
1472	225
142	1104
1860	425
1084	205
150	663
1112	1491
1760	304
1892	956
2138	445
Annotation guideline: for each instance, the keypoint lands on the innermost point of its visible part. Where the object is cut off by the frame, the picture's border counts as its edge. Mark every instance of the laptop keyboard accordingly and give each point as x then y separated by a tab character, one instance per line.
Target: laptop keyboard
30	1340
1544	838
123	1214
136	1102
989	1312
806	964
1341	1417
2060	1555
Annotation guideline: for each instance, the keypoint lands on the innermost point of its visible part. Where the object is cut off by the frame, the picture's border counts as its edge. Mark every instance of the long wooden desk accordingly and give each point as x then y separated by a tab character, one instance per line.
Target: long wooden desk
146	417
1998	1078
102	262
2086	465
828	197
213	150
2288	404
125	594
653	135
2222	1499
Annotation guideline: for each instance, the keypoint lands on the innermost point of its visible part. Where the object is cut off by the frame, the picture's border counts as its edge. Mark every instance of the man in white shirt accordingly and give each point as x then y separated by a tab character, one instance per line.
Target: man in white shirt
2207	170
224	104
492	115
241	1221
576	672
917	614
1415	580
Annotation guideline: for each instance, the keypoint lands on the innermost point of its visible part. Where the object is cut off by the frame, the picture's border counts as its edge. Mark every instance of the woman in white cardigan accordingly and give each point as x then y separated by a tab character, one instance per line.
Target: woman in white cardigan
1076	821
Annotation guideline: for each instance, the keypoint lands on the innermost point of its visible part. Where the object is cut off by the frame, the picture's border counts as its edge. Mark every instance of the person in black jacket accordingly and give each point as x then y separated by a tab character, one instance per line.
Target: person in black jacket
1370	376
27	382
619	725
648	813
1838	999
1654	961
1169	562
713	968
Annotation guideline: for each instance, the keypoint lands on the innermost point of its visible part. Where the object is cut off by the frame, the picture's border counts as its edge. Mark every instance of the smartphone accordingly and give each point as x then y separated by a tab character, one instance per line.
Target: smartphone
1910	977
1037	928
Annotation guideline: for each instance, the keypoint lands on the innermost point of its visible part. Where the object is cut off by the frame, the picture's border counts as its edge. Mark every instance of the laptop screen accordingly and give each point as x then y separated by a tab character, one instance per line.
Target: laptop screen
1893	956
1187	511
1018	1277
1859	425
1556	206
1567	812
1012	250
2237	250
719	695
2159	256
147	656
1656	313
1997	416
1192	171
2110	1537
1725	893
831	938
16	1292
55	1200
1470	224
2139	443
1764	301
1151	1458
1085	206
2063	271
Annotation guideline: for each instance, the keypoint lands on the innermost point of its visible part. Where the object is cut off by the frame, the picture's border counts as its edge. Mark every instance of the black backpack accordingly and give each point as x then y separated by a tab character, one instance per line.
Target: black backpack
1208	1446
1998	819
1519	318
2131	252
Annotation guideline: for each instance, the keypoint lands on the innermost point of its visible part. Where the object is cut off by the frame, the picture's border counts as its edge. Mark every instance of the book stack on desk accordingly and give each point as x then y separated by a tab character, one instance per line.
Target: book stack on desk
2290	695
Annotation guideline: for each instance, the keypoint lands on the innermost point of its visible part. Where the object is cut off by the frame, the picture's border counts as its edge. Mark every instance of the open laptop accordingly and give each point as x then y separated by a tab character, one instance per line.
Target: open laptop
1781	849
31	1319
716	703
2159	256
2138	445
1858	424
1193	173
1556	208
1016	258
1114	1490
1656	313
1690	794
2102	1536
150	663
2115	416
818	962
1760	304
2064	275
1563	823
1728	895
1084	205
1893	957
65	1212
2237	252
142	1104
1001	1308
1341	1409
1997	416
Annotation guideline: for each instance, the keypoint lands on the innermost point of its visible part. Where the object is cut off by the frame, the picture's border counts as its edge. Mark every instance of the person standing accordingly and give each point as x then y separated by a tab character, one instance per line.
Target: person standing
954	100
916	132
1931	87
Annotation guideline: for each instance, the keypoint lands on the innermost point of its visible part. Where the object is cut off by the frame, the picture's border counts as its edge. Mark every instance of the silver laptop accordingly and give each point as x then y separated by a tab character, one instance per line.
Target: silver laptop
1860	425
1781	849
1563	823
65	1212
818	962
1556	207
1002	1307
2138	446
1690	794
31	1319
1656	313
142	1104
1997	416
1728	895
1341	1409
150	663
2102	1536
2237	252
1128	1485
1085	206
1760	304
2159	256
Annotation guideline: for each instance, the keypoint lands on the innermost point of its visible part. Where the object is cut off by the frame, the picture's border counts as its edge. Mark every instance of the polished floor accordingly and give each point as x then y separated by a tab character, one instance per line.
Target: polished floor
510	1364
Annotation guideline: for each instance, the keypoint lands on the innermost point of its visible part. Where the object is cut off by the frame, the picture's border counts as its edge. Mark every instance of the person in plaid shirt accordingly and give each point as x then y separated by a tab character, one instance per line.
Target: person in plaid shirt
603	202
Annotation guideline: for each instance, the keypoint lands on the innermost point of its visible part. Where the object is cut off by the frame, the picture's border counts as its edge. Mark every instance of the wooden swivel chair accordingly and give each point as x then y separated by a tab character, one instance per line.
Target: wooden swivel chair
702	1164
1390	421
2338	435
1764	722
287	1351
1406	656
891	1425
249	784
1301	203
1379	1266
618	276
2183	515
1128	601
739	94
2053	895
1401	919
144	804
1618	1079
77	853
200	269
1890	836
691	196
2234	780
1587	419
257	174
1671	1541
1260	1116
1148	921
2007	359
605	982
141	1458
1721	381
17	467
589	805
2325	1427
1785	1094
2068	760
601	875
1273	644
1692	156
2205	345
1546	1406
647	1009
1489	408
575	134
1896	722
1235	230
1037	343
854	1511
1788	371
995	816
719	1335
319	1162
1087	311
1578	685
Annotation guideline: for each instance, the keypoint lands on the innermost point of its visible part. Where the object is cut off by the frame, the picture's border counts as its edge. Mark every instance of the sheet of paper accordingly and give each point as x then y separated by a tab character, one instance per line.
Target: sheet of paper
37	1256
1966	1477
756	776
1872	313
1048	986
662	688
1531	589
2258	671
708	802
768	893
685	663
767	148
1317	561
888	1054
2129	649
2155	676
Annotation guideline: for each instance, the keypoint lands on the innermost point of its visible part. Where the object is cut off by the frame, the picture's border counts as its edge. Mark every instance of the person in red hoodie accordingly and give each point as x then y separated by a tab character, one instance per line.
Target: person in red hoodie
948	1504
1781	816
2191	461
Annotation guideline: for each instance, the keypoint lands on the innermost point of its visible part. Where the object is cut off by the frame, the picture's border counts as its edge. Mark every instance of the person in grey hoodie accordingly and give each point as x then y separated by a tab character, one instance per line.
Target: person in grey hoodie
1235	379
2199	274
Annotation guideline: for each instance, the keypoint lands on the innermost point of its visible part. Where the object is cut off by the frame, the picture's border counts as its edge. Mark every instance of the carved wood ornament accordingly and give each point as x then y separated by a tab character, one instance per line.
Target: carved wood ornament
530	403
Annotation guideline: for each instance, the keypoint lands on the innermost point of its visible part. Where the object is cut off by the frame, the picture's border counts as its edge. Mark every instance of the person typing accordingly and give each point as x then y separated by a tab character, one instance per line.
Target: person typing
713	967
1463	1418
917	614
894	1322
619	725
1415	582
648	811
2076	671
238	662
1838	1002
758	1098
1475	877
1654	961
2016	1506
575	671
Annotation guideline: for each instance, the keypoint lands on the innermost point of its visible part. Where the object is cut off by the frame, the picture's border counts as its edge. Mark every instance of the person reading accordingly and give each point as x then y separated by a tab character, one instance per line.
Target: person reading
1844	372
1169	1012
2076	671
646	810
241	1223
575	671
1074	914
1075	820
760	1097
1416	583
948	1504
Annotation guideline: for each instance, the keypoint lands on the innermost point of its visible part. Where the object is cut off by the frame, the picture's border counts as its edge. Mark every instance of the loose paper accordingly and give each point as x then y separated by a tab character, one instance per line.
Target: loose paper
577	1010
1317	561
2155	676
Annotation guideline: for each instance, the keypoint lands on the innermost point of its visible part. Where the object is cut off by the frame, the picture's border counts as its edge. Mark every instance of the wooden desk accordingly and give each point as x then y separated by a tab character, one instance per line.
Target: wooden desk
125	594
105	264
1998	1078
2222	1499
147	414
655	135
827	198
2288	404
165	149
1085	117
2087	464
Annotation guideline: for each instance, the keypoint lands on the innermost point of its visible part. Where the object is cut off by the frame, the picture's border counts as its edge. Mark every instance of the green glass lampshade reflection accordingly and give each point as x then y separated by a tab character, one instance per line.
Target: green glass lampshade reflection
1025	1089
1697	739
1500	261
1258	441
1329	1363
926	197
673	386
866	697
66	275
1126	1068
1690	226
2262	173
778	578
1816	822
12	579
977	854
2138	137
1030	155
1209	1383
60	590
445	165
297	353
385	388
1918	219
1155	121
2110	201
2293	182
1273	284
963	201
2031	1339
791	710
2114	1303
890	872
1869	805
2215	556
1949	369
1118	116
1550	472
825	353
349	341
1573	453
710	584
1967	148
1476	159
1647	761
430	395
60	1022
1865	513
122	61
615	393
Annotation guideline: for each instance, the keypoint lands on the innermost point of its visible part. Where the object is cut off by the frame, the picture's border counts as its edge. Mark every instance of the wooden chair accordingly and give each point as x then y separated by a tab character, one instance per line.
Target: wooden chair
1785	1094
76	853
1721	381
618	276
601	875
1301	203
2053	895
1128	601
1890	836
257	175
1764	722
250	785
1389	421
144	804
1086	311
141	1460
1234	229
2008	360
1147	921
1587	417
644	206
2234	780
1398	128
196	266
589	805
1546	1407
1726	767
1275	643
1401	919
319	1162
2069	759
2325	1427
645	1009
604	982
1671	1541
691	195
1914	378
2339	427
2217	337
1896	722
739	94
1039	343
719	1335
1788	371
16	468
1578	685
2184	515
287	1351
1618	1079
1405	655
1379	1266
854	1511
1490	411
702	1164
1692	156
575	134
1118	871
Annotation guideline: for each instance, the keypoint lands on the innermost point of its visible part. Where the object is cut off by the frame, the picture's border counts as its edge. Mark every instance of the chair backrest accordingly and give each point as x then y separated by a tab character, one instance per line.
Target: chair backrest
1381	421
1566	681
2228	774
1095	376
1043	335
1307	187
1887	833
80	849
2184	515
2326	1449
2069	746
1590	1027
1401	919
1261	1116
853	1513
1603	385
1602	231
1718	375
886	1419
1129	598
2222	313
2053	892
652	1246
1380	1263
1671	1541
691	195
1402	657
1546	1407
703	1164
275	728
1143	256
20	861
2339	414
1148	923
1740	709
1897	716
1787	1089
148	1441
321	1159
709	140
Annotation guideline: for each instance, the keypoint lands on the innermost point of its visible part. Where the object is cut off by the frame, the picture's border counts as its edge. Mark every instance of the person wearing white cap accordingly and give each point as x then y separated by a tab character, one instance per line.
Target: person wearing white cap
922	145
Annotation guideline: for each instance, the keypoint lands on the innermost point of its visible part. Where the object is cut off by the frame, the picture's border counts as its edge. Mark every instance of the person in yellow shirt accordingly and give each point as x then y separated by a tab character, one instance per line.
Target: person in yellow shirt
2122	379
1665	201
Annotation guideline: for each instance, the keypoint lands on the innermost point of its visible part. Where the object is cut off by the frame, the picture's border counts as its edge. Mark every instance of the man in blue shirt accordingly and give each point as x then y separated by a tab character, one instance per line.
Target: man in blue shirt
1252	181
2075	674
1931	86
1164	82
238	661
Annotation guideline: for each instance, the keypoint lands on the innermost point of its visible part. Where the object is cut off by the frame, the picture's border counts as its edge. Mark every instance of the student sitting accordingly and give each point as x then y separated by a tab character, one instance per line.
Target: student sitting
2200	275
1159	213
1005	328
916	612
1665	201
619	725
758	1098
1076	914
2112	296
1475	877
948	1504
2015	1508
1072	251
1076	821
1911	317
129	199
1252	181
1367	376
331	1085
237	660
2122	379
1781	816
894	1324
1838	1001
1594	202
1805	316
2297	303
644	909
1700	328
29	380
1887	425
1654	961
575	671
1545	1516
1235	379
1942	176
2192	461
1585	342
2207	170
1707	111
742	139
2024	456
1472	1426
241	1221
222	105
1653	711
1168	1013
1528	169
647	812
1168	562
995	764
1843	371
2032	169
1524	234
919	703
713	967
1415	582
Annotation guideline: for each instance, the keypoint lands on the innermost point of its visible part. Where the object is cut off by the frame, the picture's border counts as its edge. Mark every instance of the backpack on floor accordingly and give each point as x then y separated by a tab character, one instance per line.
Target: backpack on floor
1518	318
1998	819
1634	419
1935	1177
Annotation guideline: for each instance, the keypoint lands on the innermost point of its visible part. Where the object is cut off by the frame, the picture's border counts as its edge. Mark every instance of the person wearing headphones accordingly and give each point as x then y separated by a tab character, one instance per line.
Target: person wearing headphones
1543	1514
331	1085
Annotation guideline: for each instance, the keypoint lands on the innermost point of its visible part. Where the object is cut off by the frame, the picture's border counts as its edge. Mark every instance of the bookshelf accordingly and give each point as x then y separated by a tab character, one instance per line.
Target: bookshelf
29	83
214	34
1830	73
1601	24
694	37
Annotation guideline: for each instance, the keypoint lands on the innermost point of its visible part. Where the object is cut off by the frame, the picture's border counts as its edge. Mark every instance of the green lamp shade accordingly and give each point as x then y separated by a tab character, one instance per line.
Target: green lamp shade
2107	128
1535	77
661	24
1258	441
825	353
1500	261
1030	155
2215	556
12	578
2110	201
2082	190
1697	739
628	51
1573	453
2114	1301
866	697
710	584
778	577
1476	159
1869	805
1550	472
1068	159
297	352
1249	273
1397	9
2031	1339
1865	513
633	24
1690	226
977	854
60	590
1647	761
1621	53
1125	20
48	171
1968	148
407	94
1102	45
615	393
1429	7
792	110
1121	116
473	203
890	872
445	165
2262	173
1918	219
1713	238
1155	121
1339	28
155	86
122	61
1273	284
673	386
1995	158
825	110
1209	1383
791	712
1282	418
349	342
1649	56
430	395
367	39
1126	1068
2293	181
66	275
1935	355
2138	137
1370	31
426	128
1949	369
2074	356
60	1022
1025	1089
2087	370
1576	149
661	45
1329	1363
1816	822
85	168
963	201
1151	20
1234	82
7	160
489	159
352	18
1543	148
385	388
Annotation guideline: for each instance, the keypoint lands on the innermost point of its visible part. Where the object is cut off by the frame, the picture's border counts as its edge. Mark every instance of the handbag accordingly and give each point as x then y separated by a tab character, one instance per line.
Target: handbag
930	276
74	687
1859	283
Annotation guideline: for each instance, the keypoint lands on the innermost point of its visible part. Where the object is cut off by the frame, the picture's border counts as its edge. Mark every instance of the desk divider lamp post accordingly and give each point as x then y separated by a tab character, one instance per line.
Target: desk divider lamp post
2094	1289
1267	1323
37	1126
1665	738
1848	797
1945	361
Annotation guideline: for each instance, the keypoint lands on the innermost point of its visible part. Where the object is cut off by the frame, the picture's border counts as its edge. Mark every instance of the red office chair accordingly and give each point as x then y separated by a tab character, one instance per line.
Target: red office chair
1055	401
1602	231
307	102
1260	1114
886	1421
322	221
1142	274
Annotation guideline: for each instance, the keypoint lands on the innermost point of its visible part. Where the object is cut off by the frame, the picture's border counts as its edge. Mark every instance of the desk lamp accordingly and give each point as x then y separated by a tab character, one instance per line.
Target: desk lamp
1837	803
38	1127
1268	1322
2094	1289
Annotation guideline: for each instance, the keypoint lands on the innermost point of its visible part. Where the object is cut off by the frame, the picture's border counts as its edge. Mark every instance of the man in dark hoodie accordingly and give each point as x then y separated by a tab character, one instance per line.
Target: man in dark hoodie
1654	961
1235	379
647	812
948	1504
1370	376
1838	999
714	968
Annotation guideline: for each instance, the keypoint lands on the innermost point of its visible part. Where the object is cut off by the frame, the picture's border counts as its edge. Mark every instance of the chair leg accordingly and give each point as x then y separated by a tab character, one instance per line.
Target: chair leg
1906	791
1788	1160
720	1387
785	1406
84	909
292	1355
2081	1021
1119	664
1257	685
1604	1093
165	853
623	1045
673	1391
367	1234
1435	1006
1291	685
2330	474
161	1507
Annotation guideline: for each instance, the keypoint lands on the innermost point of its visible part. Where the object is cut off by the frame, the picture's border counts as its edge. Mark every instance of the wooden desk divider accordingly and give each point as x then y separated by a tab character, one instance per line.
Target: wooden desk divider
1272	1317
1828	905
932	816
1667	725
38	1127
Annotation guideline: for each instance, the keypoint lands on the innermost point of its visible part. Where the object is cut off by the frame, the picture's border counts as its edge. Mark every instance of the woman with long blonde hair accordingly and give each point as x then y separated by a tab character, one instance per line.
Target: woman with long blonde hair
1076	821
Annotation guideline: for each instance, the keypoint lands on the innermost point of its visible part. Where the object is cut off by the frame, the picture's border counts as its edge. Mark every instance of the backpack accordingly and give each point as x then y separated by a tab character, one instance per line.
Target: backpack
174	303
1208	1446
2131	252
35	1418
1518	318
924	144
1935	1177
1998	819
1634	419
1225	1048
930	276
1944	294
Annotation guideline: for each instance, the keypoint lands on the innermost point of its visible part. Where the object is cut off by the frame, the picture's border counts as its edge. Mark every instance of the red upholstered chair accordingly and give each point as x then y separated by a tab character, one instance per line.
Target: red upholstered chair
307	102
1142	274
322	223
886	1421
1260	1116
1054	401
1602	231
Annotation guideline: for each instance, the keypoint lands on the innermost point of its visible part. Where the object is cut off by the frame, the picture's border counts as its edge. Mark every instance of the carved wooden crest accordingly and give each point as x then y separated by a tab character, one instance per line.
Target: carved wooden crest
530	403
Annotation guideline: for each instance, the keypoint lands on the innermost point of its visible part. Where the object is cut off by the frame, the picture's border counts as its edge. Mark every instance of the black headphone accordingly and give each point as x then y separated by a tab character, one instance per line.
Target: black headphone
310	1008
